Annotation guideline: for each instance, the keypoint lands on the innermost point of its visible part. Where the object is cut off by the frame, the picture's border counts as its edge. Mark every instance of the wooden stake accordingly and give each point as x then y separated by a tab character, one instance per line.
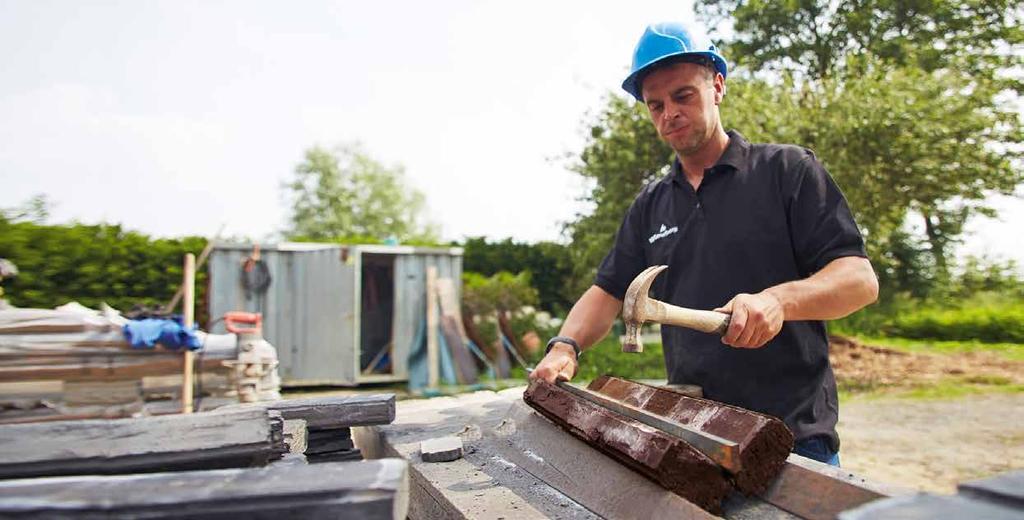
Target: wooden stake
432	330
188	310
199	265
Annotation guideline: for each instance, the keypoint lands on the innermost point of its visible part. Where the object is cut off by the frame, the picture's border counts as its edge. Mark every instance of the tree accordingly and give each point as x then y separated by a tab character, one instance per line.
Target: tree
623	153
93	264
817	36
36	210
546	264
947	65
344	193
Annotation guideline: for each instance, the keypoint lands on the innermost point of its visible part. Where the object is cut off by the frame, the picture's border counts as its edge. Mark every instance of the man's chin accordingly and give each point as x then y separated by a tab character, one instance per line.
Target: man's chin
687	148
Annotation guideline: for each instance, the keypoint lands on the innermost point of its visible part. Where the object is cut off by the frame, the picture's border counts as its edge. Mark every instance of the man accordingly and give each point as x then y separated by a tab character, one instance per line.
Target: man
760	231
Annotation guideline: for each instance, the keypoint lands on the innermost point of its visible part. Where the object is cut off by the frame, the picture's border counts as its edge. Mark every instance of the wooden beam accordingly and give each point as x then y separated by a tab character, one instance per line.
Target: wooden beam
816	491
199	265
203	440
359	490
433	361
453	332
188	310
108	367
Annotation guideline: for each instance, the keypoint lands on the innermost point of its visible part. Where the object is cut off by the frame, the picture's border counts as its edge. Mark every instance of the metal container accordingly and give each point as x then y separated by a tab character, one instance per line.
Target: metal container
334	310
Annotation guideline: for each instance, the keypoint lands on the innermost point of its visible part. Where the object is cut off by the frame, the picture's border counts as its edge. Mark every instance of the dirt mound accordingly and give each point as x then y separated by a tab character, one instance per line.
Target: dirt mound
866	366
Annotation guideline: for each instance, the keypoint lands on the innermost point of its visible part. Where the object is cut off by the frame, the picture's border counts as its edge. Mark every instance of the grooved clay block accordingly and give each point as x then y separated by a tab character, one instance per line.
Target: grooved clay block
662	458
764	441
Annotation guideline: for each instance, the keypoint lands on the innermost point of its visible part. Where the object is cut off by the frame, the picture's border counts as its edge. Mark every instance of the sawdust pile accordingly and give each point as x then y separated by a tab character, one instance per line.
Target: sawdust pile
859	366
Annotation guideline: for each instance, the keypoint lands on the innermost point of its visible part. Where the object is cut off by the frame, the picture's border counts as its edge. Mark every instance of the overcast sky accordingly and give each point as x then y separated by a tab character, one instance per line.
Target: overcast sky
175	118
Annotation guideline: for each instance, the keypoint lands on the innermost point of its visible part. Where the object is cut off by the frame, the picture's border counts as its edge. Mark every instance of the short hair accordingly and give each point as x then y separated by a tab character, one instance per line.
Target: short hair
706	63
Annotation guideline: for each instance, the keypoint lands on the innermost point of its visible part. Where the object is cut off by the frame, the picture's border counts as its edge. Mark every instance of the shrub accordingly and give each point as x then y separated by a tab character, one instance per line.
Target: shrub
986	323
93	264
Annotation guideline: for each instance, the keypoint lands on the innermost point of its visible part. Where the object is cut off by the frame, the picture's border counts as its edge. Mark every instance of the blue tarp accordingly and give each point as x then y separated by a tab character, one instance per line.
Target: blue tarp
171	333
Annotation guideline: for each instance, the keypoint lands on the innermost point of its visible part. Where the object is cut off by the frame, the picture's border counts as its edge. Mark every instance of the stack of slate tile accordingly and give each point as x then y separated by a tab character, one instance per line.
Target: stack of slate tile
329	420
208	440
241	460
330	445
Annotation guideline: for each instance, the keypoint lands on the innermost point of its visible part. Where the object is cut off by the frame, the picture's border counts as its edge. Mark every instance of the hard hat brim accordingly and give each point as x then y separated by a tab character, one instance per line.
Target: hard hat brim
632	83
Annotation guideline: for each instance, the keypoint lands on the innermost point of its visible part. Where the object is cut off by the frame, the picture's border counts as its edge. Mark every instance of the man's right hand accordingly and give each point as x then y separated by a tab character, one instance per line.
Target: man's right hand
558	365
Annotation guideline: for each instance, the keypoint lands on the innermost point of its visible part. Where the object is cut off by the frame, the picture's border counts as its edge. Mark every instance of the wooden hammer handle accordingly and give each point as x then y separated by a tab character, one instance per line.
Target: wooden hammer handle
704	321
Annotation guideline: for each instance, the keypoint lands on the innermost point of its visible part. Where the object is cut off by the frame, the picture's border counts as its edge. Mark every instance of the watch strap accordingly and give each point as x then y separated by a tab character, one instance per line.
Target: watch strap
568	341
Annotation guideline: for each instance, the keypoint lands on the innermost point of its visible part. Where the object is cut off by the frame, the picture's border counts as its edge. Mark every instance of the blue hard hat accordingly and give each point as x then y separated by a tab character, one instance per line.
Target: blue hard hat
665	40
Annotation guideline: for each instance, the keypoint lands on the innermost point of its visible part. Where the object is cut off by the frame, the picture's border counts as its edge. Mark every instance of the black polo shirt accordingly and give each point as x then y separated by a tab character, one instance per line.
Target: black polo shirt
763	215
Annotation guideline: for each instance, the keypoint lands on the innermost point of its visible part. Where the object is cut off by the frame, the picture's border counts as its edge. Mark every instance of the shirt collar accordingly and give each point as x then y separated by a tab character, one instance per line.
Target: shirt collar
735	157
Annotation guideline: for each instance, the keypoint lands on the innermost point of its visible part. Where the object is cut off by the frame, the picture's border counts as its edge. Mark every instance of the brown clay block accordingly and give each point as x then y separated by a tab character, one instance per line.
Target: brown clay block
764	441
669	461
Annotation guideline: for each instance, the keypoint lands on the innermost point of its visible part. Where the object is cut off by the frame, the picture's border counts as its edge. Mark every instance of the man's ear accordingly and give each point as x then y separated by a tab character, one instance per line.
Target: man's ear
719	86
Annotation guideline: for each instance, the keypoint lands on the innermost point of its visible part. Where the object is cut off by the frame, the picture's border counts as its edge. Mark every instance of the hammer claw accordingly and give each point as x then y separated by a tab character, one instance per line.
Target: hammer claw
638	307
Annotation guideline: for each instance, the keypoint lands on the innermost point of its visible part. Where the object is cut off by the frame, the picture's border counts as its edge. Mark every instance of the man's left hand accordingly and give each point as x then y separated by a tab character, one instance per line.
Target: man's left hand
756	319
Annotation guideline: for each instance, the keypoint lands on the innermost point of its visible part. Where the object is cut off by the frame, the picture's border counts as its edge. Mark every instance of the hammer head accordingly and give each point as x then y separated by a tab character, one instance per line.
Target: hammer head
635	307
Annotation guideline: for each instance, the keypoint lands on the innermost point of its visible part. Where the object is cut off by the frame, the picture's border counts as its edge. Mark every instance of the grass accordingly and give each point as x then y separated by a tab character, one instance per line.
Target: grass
1010	351
607	357
950	388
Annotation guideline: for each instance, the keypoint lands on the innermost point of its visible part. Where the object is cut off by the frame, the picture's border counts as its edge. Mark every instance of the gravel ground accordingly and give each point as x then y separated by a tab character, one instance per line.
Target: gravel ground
931	445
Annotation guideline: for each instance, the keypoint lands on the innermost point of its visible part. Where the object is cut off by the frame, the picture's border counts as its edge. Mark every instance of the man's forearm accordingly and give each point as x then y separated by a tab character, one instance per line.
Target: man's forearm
591	317
842	287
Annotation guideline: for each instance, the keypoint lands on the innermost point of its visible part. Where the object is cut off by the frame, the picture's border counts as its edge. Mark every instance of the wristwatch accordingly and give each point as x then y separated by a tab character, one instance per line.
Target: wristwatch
562	339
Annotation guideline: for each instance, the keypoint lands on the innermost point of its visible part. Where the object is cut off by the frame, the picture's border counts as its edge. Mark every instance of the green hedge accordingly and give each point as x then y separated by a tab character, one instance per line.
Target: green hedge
93	264
987	317
990	324
547	263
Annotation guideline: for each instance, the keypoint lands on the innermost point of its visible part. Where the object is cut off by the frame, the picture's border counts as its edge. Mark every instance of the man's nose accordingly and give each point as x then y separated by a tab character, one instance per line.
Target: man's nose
671	112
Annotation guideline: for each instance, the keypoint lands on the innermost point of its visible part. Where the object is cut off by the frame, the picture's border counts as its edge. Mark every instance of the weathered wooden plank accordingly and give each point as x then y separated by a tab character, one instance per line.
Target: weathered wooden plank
492	348
105	368
817	491
68	413
667	460
453	332
764	442
203	440
333	412
77	393
362	490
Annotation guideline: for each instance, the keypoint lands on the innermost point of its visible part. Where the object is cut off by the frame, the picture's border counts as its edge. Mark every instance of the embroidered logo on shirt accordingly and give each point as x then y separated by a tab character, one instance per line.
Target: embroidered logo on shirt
662	233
